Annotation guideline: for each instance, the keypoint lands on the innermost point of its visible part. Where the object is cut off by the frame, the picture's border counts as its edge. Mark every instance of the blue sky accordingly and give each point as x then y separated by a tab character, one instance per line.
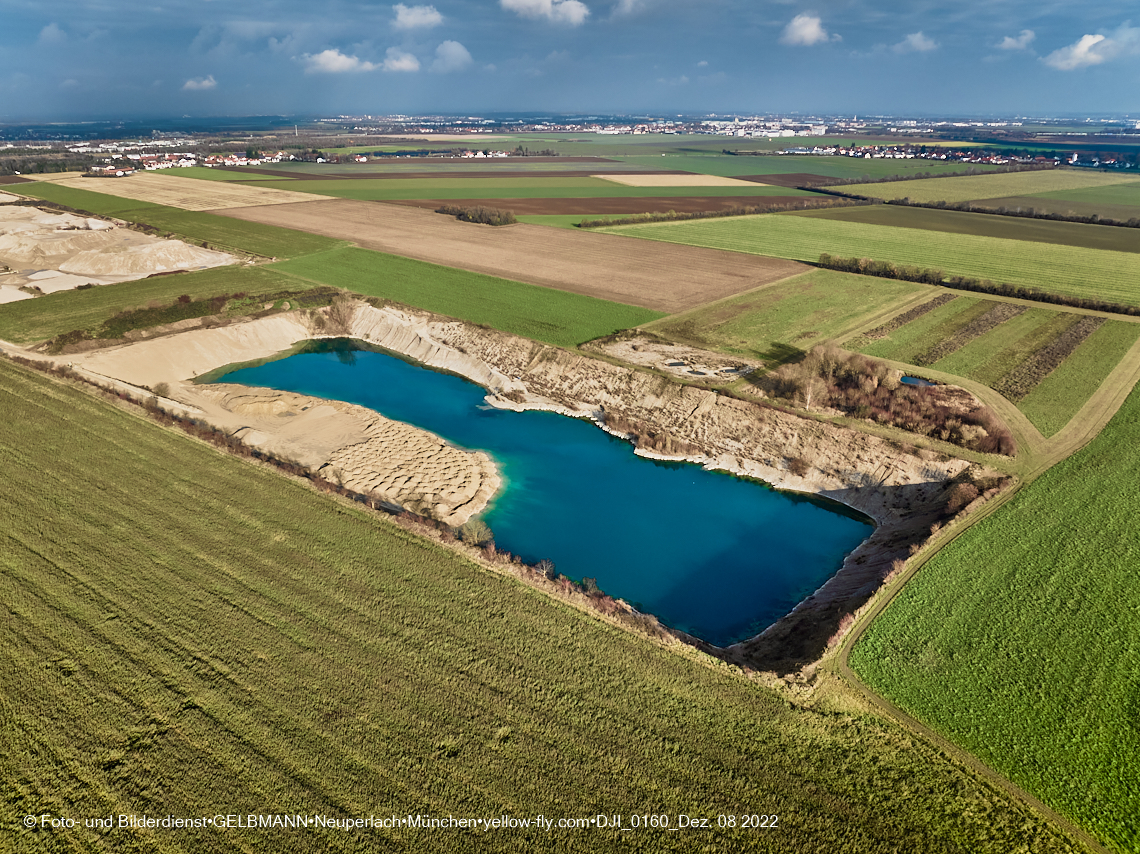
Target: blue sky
108	58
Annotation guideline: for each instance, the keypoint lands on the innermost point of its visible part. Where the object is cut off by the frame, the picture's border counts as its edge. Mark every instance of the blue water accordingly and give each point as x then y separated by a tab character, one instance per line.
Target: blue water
716	556
918	381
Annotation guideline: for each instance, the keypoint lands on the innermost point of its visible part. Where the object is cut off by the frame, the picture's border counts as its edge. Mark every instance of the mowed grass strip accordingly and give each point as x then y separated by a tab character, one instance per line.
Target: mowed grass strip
993	345
1018	640
905	343
1066	270
1058	397
1124	194
185	633
969	187
194	226
544	314
989	225
38	319
797	312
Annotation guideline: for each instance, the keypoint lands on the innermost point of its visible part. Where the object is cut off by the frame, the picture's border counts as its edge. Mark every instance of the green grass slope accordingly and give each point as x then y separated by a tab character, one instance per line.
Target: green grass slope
1018	641
544	314
969	187
1067	270
183	633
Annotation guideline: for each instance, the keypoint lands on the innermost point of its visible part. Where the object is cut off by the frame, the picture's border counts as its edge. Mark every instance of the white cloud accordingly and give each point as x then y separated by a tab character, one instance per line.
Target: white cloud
199	84
629	7
1096	49
52	34
416	17
572	12
704	63
806	30
1019	43
450	56
332	61
399	60
916	43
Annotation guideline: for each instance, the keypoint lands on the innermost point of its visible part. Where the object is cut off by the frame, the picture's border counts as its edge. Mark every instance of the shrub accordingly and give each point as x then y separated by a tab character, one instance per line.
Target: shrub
479	214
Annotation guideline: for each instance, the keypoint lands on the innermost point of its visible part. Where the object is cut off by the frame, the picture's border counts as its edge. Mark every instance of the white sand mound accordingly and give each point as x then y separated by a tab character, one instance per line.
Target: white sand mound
34	247
8	197
8	293
159	257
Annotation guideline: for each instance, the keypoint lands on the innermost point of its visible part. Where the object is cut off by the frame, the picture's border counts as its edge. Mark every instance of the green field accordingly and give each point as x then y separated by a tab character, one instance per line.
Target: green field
391	189
968	188
188	634
1018	640
544	314
1067	270
556	220
1058	397
213	173
32	320
1123	194
195	226
794	313
1041	204
987	225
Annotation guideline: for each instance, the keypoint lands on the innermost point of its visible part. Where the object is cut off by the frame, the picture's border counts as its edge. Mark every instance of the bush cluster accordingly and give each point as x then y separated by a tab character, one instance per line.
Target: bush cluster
479	214
830	378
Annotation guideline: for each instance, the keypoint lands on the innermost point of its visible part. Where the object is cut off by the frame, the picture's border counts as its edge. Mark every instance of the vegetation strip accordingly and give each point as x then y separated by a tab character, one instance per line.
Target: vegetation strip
1023	379
1051	579
885	329
993	318
744	210
224	647
975	187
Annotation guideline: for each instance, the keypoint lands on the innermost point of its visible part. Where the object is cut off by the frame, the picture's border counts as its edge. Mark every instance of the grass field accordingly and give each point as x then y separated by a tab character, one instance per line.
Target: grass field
988	225
1121	213
968	188
388	189
791	315
1067	270
555	220
29	321
195	226
184	633
1018	640
544	314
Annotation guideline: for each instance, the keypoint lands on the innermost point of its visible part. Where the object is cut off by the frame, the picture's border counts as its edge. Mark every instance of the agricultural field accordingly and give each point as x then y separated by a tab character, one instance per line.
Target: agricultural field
1067	270
788	317
194	226
1046	361
972	187
1067	207
185	193
34	320
1017	641
620	270
211	637
543	314
987	225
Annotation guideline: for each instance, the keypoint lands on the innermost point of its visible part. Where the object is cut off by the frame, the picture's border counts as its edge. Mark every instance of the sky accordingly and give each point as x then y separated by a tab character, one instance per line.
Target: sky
63	60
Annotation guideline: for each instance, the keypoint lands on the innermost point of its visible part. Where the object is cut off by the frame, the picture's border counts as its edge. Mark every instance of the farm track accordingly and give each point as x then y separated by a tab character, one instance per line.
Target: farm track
628	270
1041	455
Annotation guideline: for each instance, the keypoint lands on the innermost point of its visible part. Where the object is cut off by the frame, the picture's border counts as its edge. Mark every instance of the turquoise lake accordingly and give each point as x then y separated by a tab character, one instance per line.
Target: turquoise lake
716	556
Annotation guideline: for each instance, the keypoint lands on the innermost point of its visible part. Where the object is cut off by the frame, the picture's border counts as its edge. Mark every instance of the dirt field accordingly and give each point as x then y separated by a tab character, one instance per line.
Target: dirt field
675	180
189	194
664	277
791	179
612	206
456	173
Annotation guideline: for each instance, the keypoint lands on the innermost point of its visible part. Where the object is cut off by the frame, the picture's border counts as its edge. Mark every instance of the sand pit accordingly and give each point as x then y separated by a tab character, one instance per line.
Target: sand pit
59	251
189	194
690	180
8	197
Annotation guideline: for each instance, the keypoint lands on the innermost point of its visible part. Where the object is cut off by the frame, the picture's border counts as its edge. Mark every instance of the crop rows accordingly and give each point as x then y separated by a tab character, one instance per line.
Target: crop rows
993	318
971	187
885	329
1067	270
1019	382
186	633
1018	642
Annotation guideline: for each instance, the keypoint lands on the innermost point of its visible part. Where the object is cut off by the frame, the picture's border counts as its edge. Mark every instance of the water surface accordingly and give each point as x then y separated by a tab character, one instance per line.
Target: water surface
717	556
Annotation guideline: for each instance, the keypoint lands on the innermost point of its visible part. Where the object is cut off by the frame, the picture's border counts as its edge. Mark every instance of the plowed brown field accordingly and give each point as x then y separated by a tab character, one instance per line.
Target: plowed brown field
662	276
615	206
